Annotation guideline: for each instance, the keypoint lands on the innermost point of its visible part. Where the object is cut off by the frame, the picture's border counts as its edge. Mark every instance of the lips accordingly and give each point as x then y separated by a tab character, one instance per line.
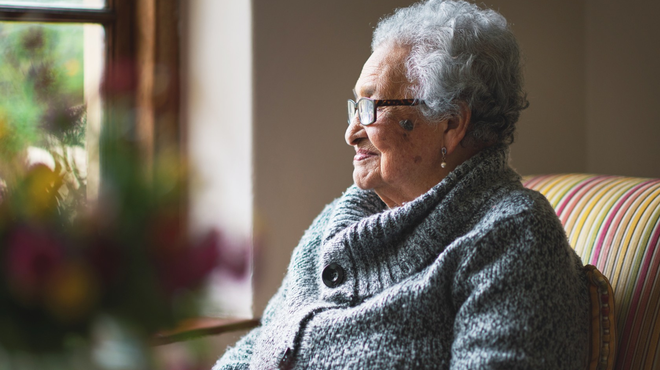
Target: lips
362	154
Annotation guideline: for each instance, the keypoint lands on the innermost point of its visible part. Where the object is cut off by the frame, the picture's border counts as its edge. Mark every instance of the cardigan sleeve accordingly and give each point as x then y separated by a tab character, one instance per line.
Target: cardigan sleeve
521	298
239	356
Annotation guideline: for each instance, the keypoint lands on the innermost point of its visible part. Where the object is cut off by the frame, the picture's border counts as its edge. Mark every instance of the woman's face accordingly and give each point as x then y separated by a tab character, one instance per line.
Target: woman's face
398	164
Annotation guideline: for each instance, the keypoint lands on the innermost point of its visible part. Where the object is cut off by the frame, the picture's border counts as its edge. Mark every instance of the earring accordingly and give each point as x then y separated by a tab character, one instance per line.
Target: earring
444	162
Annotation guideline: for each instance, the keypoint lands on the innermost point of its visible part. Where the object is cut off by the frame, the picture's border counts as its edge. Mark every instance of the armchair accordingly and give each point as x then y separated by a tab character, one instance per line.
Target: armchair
612	222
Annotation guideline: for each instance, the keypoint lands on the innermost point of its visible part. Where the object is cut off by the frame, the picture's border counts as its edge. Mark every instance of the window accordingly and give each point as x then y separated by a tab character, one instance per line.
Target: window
50	81
138	60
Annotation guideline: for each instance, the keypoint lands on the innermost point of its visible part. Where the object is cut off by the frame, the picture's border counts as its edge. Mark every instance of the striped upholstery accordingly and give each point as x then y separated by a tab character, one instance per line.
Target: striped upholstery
613	223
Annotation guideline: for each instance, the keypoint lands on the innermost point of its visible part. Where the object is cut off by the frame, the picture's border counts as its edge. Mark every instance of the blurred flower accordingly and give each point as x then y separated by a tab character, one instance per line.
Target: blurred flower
4	129
41	185
3	195
166	234
234	258
72	292
66	260
33	39
66	122
37	156
43	79
72	67
187	267
105	258
33	256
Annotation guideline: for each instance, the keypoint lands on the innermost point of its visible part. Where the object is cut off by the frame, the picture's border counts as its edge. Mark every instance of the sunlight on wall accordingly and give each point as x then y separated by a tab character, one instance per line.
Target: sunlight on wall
217	80
94	56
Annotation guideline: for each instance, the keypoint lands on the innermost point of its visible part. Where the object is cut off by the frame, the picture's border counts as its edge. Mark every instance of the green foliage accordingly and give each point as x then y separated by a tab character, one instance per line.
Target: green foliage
41	84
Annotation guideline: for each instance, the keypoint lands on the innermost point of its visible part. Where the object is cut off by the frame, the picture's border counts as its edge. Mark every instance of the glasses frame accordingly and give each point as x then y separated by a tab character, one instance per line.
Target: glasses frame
355	106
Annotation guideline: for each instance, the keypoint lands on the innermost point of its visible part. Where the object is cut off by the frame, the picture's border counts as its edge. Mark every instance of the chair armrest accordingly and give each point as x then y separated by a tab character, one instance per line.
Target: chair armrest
203	326
603	337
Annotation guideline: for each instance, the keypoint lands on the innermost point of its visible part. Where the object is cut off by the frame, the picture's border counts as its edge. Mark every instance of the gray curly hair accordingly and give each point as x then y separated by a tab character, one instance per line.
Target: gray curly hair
460	53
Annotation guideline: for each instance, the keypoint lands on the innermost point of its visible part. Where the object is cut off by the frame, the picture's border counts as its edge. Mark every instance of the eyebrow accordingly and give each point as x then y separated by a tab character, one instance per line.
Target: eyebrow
367	90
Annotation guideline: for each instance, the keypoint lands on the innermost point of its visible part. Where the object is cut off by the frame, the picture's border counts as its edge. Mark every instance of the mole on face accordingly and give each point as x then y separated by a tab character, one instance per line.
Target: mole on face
407	124
418	159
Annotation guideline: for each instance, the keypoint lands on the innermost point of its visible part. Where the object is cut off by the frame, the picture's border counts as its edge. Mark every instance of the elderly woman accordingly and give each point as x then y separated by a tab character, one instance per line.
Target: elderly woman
437	257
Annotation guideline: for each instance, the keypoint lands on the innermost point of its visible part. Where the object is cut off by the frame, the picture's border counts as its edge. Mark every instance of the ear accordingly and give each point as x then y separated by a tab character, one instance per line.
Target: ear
456	127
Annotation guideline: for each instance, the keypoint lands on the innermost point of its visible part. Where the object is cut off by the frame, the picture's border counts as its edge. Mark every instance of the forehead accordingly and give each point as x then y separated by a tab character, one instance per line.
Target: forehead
384	73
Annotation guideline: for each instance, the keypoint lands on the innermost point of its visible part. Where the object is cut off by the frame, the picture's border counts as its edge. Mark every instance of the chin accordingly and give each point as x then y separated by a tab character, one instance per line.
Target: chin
360	184
363	181
359	180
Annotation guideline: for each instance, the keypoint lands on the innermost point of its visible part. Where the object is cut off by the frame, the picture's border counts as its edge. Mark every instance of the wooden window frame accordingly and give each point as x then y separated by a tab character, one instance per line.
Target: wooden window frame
141	41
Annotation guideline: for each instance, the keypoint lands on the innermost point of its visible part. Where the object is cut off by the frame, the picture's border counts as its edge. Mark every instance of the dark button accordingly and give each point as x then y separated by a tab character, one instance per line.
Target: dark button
333	275
286	361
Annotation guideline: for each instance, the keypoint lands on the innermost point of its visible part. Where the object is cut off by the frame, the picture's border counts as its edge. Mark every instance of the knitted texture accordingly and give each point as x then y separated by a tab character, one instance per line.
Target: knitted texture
475	274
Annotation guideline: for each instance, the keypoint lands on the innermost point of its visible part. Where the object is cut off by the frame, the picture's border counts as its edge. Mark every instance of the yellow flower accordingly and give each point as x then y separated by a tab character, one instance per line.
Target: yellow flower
72	67
41	186
72	293
3	124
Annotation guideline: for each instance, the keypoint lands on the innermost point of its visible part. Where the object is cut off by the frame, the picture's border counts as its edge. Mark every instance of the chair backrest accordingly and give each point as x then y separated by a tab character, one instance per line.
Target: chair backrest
612	222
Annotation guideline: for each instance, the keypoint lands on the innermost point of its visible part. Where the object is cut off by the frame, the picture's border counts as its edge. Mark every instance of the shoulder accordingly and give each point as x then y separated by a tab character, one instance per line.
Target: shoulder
517	270
522	209
518	229
520	242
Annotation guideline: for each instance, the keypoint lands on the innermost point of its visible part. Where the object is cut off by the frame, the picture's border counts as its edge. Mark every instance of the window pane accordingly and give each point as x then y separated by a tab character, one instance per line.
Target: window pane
50	110
72	4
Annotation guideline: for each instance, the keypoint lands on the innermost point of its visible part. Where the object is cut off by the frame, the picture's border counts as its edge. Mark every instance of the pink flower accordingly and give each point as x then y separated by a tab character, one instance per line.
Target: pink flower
33	256
186	267
235	258
104	256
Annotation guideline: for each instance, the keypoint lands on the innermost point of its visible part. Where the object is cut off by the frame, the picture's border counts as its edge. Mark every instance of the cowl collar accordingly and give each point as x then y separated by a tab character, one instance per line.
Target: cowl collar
388	245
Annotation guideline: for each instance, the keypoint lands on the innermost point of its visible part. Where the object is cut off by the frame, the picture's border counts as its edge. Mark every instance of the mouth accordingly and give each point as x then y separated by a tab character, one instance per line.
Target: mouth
362	154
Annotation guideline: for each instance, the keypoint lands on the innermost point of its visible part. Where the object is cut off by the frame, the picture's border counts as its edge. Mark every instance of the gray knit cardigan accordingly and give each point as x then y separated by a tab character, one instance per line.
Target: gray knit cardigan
475	274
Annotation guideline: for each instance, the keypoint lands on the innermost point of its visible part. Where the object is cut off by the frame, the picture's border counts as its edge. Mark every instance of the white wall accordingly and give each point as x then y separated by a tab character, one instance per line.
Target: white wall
217	110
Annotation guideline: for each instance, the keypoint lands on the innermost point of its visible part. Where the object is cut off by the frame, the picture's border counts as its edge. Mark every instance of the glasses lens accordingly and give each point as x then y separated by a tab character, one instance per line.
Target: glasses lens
367	111
351	111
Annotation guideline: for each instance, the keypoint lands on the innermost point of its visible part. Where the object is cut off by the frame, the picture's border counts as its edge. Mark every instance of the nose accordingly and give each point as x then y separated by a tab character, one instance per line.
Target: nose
354	132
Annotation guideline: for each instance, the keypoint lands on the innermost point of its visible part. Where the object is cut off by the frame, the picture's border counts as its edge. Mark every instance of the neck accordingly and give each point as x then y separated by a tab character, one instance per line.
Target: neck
455	159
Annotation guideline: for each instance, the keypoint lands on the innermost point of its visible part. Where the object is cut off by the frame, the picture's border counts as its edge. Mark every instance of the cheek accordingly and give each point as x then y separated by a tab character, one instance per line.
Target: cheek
390	140
399	163
403	159
402	152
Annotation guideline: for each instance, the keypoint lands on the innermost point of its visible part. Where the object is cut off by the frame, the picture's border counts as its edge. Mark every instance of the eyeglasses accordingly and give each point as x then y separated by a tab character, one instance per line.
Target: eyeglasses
366	108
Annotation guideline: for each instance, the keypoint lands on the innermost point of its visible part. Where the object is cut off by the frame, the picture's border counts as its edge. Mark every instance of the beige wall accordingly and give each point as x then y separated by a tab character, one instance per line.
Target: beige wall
551	132
623	87
591	75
